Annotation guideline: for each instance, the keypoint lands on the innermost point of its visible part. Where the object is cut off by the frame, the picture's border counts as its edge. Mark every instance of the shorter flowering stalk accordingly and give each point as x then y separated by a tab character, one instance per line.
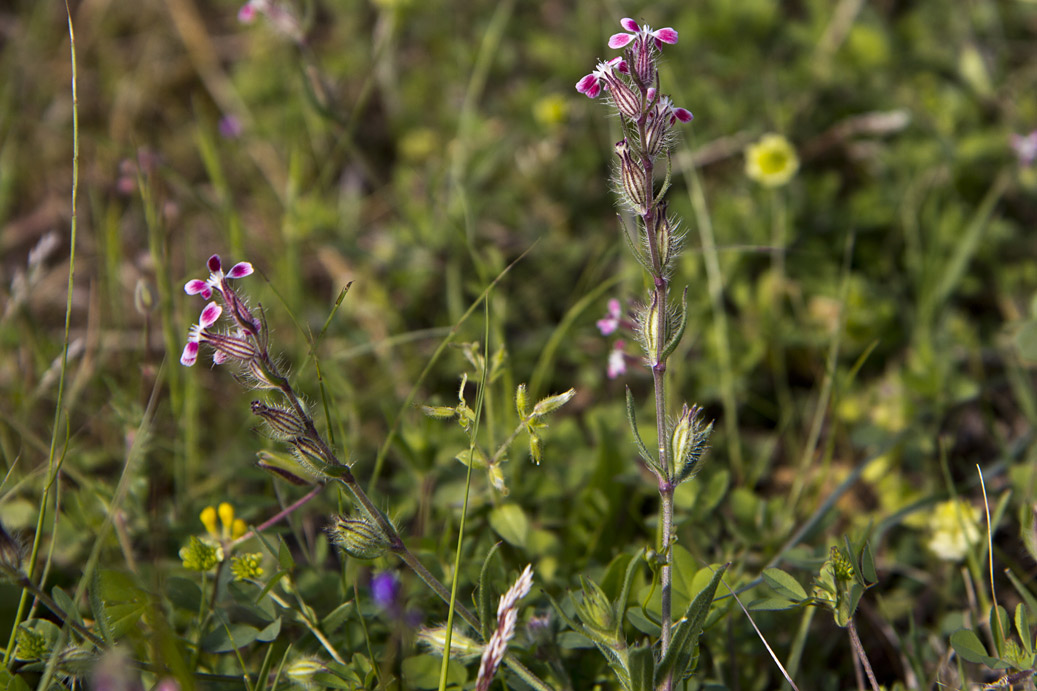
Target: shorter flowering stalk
285	421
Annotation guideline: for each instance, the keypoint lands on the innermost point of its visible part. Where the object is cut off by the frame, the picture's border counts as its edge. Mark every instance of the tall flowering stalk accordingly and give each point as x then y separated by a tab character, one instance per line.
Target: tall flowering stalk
631	84
237	334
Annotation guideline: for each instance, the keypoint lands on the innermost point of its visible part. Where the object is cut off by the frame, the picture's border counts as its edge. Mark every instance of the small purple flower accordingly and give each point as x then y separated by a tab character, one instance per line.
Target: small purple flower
590	85
661	36
230	127
209	316
611	321
217	279
617	360
385	591
1025	147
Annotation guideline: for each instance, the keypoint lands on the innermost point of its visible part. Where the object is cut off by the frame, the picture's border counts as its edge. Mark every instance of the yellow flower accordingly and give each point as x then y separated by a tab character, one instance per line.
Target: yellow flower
200	556
771	161
208	518
551	111
955	529
246	566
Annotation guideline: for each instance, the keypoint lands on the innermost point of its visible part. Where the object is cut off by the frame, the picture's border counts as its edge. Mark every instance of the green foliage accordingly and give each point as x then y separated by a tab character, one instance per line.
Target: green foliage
863	336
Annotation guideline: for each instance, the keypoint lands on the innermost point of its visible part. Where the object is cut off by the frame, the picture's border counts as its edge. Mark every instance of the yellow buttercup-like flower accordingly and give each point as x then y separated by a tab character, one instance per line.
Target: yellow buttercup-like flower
955	529
771	161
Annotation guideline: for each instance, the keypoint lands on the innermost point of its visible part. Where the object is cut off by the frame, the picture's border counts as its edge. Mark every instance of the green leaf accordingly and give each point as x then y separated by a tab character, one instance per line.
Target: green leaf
1022	627
772	604
642	669
184	593
685	572
784	584
330	680
1000	627
868	565
641	448
620	604
225	638
284	558
510	522
271	632
1026	340
10	682
124	603
422	672
487	611
969	648
337	617
97	607
682	656
1024	592
62	600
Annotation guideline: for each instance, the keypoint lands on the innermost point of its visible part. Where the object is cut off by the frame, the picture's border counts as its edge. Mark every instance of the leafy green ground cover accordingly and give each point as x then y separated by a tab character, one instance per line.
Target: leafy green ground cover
862	336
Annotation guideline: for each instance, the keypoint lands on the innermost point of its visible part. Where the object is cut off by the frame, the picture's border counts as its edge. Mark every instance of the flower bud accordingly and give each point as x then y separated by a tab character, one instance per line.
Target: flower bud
246	566
552	403
237	346
304	669
284	422
520	400
632	176
461	646
841	566
595	610
288	468
626	100
643	57
200	556
143	299
648	330
688	442
358	537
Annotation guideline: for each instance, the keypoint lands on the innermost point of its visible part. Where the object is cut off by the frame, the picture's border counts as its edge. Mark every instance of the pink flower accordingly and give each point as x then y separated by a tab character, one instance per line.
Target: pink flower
209	316
217	279
617	360
611	322
247	13
591	83
1025	147
661	36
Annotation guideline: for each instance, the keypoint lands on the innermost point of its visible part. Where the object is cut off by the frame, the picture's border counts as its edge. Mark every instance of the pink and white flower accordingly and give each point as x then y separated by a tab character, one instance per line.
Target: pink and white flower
617	360
1025	147
217	279
591	84
660	36
611	321
209	316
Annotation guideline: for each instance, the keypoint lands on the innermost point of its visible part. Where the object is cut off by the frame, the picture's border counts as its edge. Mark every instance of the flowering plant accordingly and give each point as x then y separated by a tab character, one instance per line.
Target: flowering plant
648	117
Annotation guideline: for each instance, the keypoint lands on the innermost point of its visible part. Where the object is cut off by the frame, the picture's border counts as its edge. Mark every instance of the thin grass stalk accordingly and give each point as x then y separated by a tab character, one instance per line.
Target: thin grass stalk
53	461
479	400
